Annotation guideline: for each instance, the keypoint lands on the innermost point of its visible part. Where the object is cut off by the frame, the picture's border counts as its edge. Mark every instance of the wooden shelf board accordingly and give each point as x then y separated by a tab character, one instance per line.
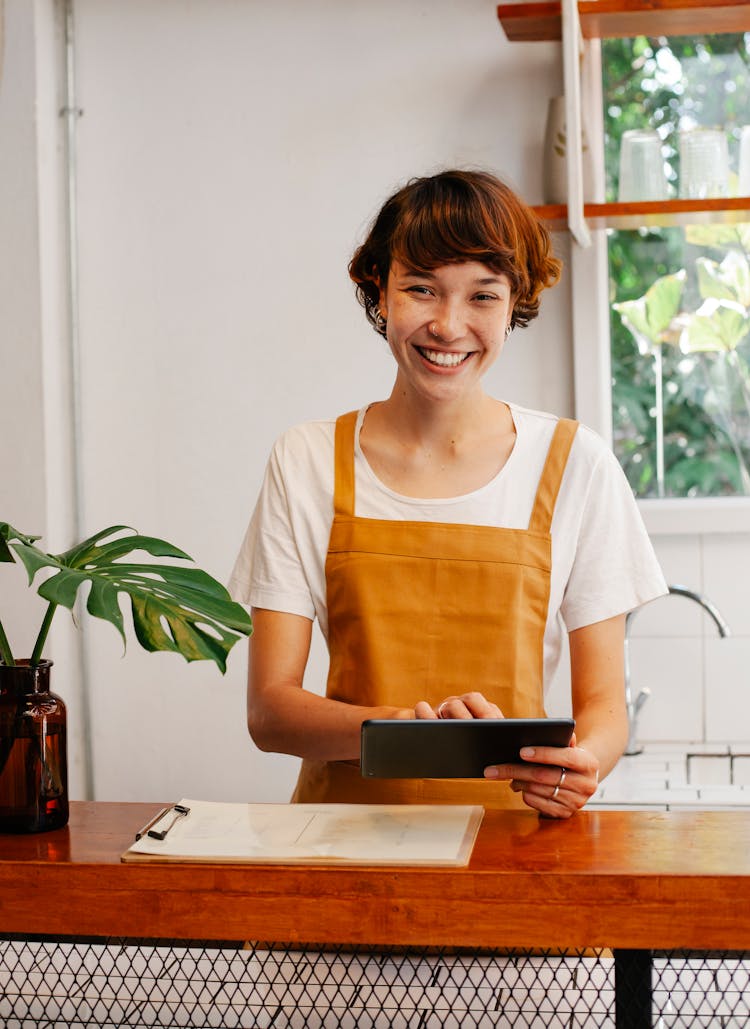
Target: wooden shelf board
728	210
528	22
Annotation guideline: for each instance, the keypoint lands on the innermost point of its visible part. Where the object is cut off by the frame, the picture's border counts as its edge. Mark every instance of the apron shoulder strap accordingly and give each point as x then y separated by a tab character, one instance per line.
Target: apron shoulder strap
343	484
549	483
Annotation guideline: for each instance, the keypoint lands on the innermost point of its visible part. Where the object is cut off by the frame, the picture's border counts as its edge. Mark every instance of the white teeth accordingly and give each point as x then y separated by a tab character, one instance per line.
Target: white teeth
443	359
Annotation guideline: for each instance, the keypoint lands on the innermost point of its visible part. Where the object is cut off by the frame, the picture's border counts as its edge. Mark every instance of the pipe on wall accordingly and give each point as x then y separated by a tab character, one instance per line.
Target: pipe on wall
71	112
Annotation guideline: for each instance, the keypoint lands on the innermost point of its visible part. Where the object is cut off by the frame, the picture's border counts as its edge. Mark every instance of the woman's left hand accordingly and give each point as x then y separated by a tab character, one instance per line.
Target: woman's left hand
555	781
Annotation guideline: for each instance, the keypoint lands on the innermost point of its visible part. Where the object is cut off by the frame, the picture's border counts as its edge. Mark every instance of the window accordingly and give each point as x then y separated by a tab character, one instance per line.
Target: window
680	296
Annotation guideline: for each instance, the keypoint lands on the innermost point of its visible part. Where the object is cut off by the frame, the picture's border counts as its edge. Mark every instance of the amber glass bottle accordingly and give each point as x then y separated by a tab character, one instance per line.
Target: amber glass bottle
33	753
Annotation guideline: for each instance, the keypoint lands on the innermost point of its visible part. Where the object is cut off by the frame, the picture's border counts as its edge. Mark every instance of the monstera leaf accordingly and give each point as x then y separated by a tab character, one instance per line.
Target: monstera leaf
177	608
649	318
8	533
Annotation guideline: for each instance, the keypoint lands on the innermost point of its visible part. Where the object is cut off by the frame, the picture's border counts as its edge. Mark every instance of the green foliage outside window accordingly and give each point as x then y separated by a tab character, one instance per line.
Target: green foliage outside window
680	324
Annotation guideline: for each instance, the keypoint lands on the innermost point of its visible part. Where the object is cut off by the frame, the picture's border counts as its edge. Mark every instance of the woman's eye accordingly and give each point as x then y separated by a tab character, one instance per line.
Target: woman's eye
420	290
485	296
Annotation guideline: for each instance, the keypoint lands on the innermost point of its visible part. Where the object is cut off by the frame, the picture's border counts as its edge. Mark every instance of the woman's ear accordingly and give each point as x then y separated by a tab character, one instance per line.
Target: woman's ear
382	302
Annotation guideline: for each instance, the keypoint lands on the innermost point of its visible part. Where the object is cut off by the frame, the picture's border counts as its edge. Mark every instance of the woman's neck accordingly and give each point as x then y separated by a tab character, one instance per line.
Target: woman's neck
437	451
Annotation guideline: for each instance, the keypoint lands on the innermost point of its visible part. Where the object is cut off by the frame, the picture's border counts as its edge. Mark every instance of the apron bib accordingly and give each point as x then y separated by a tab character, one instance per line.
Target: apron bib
423	610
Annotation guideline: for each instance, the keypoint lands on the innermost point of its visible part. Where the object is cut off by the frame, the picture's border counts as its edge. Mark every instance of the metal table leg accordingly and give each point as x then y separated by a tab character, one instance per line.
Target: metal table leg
633	1000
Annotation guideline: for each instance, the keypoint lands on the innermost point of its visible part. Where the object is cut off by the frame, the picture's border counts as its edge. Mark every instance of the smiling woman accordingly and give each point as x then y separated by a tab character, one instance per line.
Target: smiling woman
444	538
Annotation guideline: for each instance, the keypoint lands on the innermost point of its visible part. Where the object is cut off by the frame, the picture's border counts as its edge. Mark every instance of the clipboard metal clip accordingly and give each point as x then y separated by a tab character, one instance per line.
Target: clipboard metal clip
177	811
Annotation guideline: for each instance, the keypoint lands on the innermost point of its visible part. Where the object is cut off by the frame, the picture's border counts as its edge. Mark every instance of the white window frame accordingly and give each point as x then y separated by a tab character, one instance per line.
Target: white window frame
592	373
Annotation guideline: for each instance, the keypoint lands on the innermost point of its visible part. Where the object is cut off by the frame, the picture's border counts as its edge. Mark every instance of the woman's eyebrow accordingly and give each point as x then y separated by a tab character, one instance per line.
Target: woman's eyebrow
416	273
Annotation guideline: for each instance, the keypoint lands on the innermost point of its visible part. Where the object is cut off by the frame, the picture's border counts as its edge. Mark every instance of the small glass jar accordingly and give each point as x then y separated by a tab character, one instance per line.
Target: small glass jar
704	164
33	751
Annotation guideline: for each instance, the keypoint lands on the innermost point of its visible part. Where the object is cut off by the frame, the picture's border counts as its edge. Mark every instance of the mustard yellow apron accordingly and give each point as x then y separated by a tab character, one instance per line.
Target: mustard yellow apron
424	610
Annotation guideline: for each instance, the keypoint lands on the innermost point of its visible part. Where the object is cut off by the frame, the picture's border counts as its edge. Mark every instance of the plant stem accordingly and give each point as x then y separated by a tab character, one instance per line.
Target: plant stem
5	652
41	639
659	404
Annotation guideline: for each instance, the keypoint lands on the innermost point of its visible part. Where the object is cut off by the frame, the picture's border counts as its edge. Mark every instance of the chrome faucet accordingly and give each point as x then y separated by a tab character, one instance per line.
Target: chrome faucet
633	706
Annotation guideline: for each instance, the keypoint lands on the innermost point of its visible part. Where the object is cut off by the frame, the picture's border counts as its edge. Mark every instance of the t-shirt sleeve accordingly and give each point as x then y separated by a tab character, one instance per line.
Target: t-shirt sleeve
614	569
269	572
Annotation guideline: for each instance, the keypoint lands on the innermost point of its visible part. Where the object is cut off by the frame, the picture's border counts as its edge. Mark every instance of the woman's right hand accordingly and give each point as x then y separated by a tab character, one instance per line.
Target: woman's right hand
468	705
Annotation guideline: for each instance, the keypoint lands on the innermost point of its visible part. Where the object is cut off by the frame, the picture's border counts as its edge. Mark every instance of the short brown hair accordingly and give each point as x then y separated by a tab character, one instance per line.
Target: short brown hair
457	216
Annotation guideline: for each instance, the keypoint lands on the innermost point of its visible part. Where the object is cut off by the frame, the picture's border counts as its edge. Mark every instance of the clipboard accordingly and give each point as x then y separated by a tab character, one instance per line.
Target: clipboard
452	748
339	834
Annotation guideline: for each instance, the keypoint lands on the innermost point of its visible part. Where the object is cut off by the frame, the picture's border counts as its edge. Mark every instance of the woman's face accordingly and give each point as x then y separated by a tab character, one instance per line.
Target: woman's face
446	327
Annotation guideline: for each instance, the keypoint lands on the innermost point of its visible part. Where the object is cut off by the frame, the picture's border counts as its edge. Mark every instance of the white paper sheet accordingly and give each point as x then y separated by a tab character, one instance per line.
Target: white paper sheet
325	833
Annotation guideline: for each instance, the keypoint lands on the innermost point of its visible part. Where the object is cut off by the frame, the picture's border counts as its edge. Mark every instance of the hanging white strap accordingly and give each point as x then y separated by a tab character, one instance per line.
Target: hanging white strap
572	45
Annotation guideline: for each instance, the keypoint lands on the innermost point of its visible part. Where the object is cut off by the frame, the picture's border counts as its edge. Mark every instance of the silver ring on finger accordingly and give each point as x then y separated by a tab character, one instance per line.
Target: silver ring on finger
559	785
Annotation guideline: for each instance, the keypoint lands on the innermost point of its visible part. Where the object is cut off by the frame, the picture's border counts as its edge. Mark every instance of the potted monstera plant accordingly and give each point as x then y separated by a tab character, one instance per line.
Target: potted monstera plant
174	607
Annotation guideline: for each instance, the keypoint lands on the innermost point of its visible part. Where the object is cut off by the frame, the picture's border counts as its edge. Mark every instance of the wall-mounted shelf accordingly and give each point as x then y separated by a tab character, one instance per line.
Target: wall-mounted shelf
729	210
603	18
599	19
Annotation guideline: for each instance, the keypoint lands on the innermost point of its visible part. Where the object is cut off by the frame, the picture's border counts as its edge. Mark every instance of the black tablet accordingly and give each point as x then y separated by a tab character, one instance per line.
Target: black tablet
452	748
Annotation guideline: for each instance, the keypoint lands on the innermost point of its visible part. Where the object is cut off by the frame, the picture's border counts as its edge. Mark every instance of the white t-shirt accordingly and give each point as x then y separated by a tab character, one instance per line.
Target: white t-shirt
603	563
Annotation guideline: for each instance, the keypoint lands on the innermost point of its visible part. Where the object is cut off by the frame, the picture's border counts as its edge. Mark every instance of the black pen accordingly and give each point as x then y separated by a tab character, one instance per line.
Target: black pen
153	821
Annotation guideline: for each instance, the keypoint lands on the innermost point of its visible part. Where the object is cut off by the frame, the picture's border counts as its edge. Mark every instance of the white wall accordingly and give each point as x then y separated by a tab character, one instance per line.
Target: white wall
22	488
230	154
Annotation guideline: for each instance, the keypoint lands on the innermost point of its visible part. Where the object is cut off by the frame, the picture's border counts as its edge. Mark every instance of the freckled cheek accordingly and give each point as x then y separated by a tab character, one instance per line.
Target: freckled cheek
405	325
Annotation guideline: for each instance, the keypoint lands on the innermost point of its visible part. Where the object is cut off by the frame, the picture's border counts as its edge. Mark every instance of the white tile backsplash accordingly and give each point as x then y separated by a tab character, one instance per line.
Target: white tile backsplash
680	560
699	682
726	561
728	689
741	769
673	671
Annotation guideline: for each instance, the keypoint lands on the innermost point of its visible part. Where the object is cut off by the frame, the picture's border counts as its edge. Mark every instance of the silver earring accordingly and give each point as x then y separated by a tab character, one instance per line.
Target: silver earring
379	321
508	330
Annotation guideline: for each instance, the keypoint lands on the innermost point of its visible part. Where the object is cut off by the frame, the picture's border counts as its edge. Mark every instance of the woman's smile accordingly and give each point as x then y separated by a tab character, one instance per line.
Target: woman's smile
442	359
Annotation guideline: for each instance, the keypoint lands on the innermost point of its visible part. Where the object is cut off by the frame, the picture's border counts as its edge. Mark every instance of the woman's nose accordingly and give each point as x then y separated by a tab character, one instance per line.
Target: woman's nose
447	323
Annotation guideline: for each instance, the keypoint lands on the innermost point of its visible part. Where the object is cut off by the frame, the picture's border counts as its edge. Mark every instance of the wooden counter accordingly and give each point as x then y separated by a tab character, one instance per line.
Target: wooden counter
619	879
